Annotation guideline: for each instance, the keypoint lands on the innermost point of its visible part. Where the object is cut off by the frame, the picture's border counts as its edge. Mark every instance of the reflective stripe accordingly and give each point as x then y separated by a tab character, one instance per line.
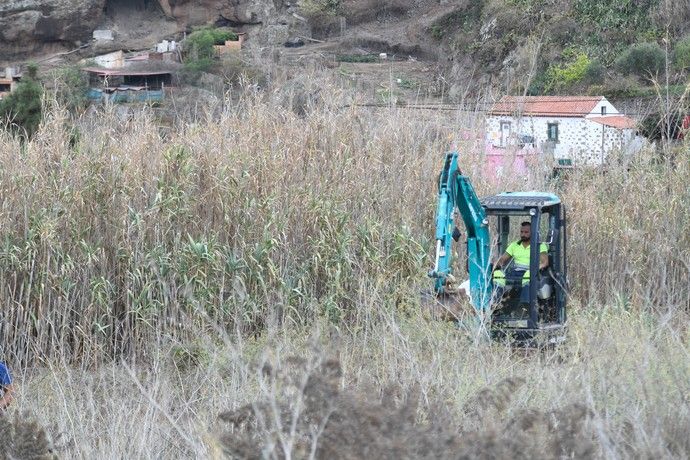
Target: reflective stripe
499	278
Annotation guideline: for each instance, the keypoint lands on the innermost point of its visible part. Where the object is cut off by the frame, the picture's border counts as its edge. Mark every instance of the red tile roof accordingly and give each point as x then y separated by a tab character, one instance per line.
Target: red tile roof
615	121
554	106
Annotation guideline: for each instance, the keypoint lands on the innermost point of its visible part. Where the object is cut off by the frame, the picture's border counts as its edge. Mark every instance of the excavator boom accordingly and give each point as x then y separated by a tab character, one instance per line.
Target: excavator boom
455	192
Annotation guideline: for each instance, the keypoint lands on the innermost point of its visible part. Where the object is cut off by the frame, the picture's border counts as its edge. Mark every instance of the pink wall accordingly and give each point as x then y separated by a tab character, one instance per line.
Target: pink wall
501	161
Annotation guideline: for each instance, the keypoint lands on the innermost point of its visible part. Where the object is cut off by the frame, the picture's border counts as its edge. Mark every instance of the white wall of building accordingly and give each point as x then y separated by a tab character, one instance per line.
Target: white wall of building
580	140
114	60
609	109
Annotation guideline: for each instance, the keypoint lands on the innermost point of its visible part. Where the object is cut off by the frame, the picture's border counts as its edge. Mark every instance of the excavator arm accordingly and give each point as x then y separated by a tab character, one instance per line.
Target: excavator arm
456	192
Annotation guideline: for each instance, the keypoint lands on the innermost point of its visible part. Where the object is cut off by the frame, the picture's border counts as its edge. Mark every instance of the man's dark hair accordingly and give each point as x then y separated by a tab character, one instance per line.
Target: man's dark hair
526	224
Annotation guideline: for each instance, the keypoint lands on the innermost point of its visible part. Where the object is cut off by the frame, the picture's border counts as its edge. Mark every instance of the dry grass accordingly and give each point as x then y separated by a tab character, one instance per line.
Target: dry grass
409	387
148	274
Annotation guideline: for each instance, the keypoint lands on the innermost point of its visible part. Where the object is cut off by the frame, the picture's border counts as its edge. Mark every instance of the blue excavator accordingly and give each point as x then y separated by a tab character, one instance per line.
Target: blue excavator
527	306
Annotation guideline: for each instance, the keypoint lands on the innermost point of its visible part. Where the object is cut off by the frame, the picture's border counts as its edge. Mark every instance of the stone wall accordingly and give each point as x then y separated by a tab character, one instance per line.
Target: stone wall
579	139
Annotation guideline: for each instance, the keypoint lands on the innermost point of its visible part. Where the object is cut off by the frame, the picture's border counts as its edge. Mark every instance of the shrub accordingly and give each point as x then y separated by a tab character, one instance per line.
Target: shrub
321	7
681	54
579	71
199	46
22	108
658	126
235	70
642	59
619	86
23	438
595	73
359	424
71	87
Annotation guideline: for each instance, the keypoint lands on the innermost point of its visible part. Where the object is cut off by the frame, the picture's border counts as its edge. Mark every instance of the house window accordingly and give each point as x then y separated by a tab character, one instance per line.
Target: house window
552	132
603	110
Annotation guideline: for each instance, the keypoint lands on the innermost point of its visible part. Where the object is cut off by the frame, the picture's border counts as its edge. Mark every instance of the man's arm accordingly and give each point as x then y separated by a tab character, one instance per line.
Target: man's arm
504	259
543	260
7	397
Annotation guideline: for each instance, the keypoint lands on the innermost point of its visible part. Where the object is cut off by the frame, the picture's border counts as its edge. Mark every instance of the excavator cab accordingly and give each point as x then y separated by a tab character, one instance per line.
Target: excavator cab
528	307
537	314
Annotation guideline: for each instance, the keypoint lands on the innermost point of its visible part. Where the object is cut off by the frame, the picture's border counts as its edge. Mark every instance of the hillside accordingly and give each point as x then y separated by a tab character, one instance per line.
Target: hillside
617	48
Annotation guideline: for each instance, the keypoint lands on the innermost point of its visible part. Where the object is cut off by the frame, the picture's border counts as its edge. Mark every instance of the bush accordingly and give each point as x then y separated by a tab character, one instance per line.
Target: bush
658	126
22	109
71	88
199	46
619	86
235	71
577	73
321	7
570	74
642	59
595	73
681	54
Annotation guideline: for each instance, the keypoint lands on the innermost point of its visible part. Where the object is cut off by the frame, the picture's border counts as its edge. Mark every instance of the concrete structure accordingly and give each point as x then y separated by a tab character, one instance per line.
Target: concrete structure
103	35
230	46
9	81
114	60
152	56
166	46
567	130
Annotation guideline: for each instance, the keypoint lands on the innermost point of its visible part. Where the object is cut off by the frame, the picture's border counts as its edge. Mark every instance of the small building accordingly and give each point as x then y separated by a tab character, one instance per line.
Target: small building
230	46
568	130
123	85
9	81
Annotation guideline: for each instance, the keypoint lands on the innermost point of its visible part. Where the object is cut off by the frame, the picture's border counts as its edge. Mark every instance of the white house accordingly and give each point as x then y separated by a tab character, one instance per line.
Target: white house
574	130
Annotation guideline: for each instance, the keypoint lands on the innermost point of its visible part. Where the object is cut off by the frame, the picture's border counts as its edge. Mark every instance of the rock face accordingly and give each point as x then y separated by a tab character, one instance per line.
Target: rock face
26	25
195	12
30	26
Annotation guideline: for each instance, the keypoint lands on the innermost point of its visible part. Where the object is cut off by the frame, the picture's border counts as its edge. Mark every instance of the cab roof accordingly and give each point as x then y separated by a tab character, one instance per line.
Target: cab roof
519	201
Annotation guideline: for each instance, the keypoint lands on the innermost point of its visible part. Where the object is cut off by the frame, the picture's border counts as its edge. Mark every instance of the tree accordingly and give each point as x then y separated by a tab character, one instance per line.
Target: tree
22	109
681	54
71	89
642	59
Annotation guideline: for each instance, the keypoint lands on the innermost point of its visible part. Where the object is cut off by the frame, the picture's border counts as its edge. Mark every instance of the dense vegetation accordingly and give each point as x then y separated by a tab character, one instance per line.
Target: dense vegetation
168	267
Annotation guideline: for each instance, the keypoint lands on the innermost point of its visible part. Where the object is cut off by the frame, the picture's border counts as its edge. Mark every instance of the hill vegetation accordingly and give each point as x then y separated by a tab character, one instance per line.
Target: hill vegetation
556	47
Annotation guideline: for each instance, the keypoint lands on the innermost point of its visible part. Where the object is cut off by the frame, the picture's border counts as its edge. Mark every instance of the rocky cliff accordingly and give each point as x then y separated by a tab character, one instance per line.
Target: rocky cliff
190	12
39	26
28	25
